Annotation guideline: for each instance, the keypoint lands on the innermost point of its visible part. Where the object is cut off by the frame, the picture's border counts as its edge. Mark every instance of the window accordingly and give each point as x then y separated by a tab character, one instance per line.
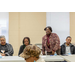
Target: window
59	21
4	22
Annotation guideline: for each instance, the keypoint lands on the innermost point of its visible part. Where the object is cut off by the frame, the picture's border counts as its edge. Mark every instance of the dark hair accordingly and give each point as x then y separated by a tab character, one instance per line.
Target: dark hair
26	38
49	28
68	37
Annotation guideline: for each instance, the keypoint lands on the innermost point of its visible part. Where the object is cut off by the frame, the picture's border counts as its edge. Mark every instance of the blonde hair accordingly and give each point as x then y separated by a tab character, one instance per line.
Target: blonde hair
31	51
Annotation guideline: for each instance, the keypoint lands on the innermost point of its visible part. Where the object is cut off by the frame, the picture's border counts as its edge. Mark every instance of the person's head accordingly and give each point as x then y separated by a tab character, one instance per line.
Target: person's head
31	53
68	40
48	30
26	41
2	40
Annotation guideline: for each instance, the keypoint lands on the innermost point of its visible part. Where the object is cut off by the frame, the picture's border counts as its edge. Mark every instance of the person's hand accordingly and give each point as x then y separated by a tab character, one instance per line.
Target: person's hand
53	52
3	54
43	53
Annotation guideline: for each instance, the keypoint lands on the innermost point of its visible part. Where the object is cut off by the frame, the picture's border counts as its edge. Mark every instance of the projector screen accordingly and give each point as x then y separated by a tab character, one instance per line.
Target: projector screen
60	23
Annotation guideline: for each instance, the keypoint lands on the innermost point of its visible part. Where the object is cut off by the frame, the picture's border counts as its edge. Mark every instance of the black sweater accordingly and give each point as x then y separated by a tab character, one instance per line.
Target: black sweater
21	49
8	49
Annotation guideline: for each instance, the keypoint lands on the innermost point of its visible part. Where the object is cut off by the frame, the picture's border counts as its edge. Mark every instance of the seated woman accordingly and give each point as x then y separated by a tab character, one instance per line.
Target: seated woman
5	48
0	38
26	41
31	54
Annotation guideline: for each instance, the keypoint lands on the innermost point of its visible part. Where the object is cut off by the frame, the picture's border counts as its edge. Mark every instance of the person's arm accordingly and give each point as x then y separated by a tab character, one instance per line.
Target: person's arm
57	43
61	51
74	50
43	48
20	50
10	50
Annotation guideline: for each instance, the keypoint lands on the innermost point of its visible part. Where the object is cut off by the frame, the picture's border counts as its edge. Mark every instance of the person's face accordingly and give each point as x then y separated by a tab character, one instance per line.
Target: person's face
48	31
31	59
3	41
26	42
68	41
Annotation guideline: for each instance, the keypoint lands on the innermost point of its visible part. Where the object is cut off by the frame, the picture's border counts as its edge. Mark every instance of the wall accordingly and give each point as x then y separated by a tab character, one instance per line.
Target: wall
23	24
72	26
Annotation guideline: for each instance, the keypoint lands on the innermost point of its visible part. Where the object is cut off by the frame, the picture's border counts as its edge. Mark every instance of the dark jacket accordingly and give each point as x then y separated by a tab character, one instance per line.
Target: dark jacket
8	49
63	49
21	49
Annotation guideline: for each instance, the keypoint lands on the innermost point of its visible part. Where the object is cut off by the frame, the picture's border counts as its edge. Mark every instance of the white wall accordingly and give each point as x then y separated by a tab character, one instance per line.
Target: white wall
60	23
4	22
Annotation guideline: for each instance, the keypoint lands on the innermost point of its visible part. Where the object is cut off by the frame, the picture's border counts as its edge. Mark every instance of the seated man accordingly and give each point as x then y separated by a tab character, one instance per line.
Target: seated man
67	47
5	48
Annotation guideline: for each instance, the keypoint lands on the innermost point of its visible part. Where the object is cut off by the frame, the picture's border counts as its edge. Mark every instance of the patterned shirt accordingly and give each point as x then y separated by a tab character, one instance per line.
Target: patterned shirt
54	43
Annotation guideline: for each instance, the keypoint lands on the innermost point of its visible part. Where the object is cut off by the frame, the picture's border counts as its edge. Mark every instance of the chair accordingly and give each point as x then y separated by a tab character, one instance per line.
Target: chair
40	46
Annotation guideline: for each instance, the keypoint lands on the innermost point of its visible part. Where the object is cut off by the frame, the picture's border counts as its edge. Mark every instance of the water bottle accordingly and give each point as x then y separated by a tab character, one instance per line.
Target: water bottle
55	53
69	53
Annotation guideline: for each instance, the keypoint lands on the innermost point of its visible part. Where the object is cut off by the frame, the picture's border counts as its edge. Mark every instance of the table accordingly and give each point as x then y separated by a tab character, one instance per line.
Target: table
12	59
70	58
47	58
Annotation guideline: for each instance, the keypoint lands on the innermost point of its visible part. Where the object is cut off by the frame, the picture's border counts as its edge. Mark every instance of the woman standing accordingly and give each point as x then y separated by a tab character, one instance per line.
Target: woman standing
26	41
50	42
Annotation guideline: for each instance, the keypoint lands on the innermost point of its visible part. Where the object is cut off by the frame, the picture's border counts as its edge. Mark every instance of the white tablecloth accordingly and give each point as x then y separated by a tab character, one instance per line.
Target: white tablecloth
70	58
12	59
20	59
52	58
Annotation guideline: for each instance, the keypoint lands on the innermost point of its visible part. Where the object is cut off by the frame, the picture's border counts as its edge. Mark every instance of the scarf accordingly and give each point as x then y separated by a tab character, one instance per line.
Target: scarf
48	42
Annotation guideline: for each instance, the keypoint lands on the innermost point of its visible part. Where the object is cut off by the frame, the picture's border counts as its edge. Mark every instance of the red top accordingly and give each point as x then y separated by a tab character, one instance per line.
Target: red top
48	42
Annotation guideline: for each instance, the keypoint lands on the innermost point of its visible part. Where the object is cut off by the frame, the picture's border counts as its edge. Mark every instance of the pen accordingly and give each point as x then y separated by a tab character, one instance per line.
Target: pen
51	55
